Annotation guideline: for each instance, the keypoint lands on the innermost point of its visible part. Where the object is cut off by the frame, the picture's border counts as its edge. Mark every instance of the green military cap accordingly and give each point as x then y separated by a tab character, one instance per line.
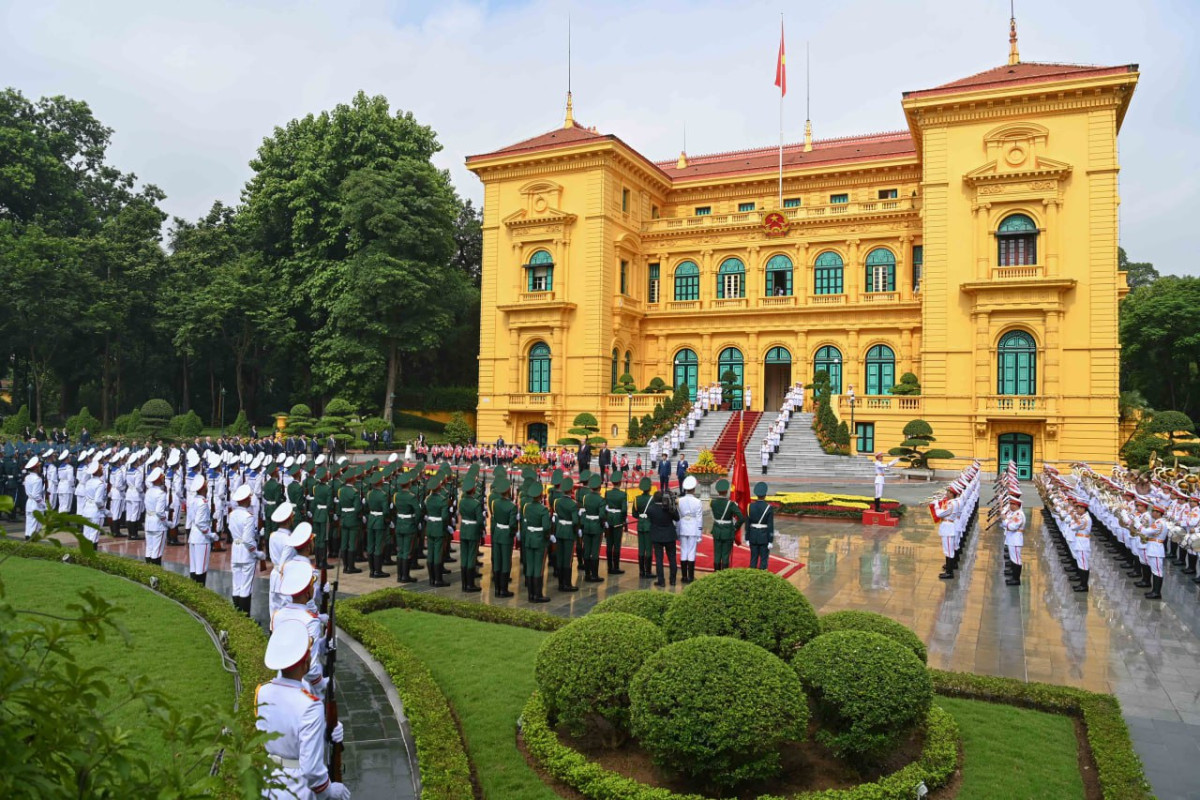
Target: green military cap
644	484
760	489
501	484
308	465
472	473
373	463
433	483
294	470
618	476
528	474
322	473
585	475
565	484
420	465
594	482
721	486
444	470
498	470
535	491
556	476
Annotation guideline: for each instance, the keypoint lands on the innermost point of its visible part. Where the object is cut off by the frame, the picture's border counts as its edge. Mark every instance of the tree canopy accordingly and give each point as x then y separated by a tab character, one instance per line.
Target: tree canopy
1160	344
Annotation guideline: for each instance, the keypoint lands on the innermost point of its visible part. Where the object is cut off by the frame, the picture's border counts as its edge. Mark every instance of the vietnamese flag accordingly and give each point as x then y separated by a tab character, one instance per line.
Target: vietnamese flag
781	65
740	491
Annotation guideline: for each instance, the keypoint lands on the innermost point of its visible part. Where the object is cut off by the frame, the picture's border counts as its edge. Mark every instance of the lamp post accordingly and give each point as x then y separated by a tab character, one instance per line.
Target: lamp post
853	432
629	417
29	388
222	404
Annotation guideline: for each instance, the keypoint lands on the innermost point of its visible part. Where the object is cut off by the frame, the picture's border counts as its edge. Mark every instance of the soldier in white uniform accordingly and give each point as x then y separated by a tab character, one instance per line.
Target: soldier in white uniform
95	493
66	482
1155	533
279	552
174	485
200	533
35	496
296	586
156	510
1013	523
691	528
1081	529
135	482
764	454
81	479
50	476
881	469
245	556
287	706
116	491
949	508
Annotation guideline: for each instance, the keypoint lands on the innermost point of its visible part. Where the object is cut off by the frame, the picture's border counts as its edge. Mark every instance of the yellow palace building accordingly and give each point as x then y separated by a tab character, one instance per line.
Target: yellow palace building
976	249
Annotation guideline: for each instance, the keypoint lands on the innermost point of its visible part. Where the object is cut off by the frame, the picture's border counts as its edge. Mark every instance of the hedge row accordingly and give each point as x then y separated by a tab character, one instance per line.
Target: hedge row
441	753
935	766
1117	764
246	643
438	398
446	606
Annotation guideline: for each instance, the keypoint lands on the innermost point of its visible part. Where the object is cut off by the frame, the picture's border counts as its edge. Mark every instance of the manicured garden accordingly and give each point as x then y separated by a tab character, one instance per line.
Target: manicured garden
604	726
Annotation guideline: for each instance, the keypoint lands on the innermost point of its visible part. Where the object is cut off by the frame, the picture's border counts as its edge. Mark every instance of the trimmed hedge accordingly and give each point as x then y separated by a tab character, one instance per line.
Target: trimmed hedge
447	606
641	603
441	753
1118	766
717	709
749	604
868	691
402	420
438	398
876	623
935	766
584	671
246	641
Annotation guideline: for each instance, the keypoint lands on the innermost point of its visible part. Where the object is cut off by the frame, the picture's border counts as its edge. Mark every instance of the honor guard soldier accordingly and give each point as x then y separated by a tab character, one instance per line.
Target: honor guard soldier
377	508
470	527
616	511
349	511
644	546
581	491
535	531
319	507
947	511
1014	538
35	496
296	586
691	528
288	708
1081	529
116	491
1155	534
592	522
727	521
94	498
761	533
135	487
503	518
200	532
279	552
295	491
156	511
245	554
66	482
565	516
437	509
175	494
408	515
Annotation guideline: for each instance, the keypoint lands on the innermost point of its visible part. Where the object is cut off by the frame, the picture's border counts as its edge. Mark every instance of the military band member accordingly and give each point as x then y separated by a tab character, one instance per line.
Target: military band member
245	554
727	521
949	508
503	519
1081	530
616	511
287	707
760	535
156	511
1014	537
1155	534
471	520
565	513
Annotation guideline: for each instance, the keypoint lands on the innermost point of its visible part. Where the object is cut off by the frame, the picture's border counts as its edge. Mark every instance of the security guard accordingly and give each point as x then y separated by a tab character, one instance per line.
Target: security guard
727	521
566	519
616	512
592	522
644	546
761	533
470	527
503	516
535	530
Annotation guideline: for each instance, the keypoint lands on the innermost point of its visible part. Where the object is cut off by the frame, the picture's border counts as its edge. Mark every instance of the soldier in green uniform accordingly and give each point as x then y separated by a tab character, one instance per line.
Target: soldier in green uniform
437	509
408	513
727	521
272	496
592	522
349	510
470	527
535	530
295	493
616	513
566	518
581	490
553	492
503	516
645	548
322	499
336	481
377	508
761	533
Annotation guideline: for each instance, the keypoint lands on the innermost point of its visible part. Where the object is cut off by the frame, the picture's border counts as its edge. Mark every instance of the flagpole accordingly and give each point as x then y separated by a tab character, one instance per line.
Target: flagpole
781	119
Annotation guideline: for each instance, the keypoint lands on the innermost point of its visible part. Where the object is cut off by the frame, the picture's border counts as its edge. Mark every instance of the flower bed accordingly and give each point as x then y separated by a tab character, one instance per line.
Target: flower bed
831	506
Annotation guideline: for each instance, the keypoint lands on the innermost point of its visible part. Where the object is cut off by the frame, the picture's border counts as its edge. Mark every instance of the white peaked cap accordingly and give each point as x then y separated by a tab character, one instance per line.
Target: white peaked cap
393	458
173	459
689	483
297	576
158	451
256	462
301	535
154	475
193	459
64	455
283	512
288	462
242	493
131	460
31	463
93	468
342	459
288	645
197	483
320	459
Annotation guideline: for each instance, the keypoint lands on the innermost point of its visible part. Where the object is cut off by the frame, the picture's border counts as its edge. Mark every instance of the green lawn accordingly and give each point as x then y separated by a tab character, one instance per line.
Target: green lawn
167	645
486	671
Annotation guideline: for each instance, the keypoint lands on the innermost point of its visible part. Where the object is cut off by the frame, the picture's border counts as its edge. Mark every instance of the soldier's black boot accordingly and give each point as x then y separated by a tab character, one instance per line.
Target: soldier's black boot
595	578
876	504
377	563
614	566
1145	582
472	586
947	570
504	580
529	593
1015	580
1156	592
539	596
683	565
1082	586
441	575
348	563
564	582
1191	564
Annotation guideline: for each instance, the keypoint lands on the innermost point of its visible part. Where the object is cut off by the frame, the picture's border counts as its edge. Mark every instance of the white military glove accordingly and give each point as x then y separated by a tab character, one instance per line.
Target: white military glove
335	791
327	588
260	556
338	733
553	539
770	546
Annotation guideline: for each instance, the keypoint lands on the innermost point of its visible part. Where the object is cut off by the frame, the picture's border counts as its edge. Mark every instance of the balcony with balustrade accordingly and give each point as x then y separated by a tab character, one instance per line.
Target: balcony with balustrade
839	211
535	401
1018	405
884	404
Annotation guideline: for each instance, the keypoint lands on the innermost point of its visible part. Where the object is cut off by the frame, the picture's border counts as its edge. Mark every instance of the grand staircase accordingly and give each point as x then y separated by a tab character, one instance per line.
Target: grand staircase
800	455
725	448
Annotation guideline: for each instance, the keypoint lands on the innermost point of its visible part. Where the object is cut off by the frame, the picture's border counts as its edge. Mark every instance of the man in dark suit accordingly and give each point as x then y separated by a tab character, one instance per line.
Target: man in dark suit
585	457
664	474
605	463
681	469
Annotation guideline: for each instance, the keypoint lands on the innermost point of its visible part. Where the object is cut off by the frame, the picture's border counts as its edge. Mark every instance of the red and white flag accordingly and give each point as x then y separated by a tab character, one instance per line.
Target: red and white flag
781	65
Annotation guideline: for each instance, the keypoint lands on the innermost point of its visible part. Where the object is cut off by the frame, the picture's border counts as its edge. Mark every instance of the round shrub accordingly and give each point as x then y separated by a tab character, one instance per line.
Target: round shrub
583	671
876	623
192	425
337	407
868	691
750	604
300	410
717	709
641	603
156	408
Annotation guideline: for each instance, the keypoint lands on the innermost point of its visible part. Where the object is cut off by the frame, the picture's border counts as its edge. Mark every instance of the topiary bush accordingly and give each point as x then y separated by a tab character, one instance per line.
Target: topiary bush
875	623
584	670
750	604
641	603
300	420
192	425
240	425
717	709
18	422
868	692
83	419
457	431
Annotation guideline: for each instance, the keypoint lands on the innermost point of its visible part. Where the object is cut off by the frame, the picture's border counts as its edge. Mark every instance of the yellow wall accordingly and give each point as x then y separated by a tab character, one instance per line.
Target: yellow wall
979	157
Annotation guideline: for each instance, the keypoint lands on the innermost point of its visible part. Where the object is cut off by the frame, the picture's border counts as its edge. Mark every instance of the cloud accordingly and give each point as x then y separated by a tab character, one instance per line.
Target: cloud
192	89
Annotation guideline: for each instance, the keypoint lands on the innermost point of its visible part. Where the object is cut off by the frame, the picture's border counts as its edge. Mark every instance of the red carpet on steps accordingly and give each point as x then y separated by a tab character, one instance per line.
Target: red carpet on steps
725	448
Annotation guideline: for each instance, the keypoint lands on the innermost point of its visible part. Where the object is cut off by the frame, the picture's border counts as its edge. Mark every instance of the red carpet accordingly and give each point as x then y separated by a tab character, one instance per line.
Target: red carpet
725	448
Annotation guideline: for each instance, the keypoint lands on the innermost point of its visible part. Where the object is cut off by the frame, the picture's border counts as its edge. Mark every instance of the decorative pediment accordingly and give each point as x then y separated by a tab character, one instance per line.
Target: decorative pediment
551	216
1039	168
541	209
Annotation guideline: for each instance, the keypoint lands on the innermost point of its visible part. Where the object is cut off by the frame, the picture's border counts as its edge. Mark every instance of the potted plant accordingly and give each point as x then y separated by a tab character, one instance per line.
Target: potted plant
706	470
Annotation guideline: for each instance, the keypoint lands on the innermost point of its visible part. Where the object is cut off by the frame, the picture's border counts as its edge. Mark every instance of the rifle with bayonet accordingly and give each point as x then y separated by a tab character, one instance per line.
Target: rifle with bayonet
331	707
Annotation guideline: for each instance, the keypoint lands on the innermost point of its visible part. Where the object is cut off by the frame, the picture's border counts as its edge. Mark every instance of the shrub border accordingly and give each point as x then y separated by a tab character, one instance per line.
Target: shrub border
935	766
1119	769
246	641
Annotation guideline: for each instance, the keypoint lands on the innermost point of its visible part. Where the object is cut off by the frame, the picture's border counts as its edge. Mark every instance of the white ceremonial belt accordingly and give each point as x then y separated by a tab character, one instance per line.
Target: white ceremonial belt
756	525
537	530
469	522
589	516
498	525
404	516
286	763
347	510
433	519
322	508
376	513
642	516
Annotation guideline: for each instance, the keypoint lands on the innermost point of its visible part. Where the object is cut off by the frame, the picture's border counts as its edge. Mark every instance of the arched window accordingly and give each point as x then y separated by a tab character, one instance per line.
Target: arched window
828	274
881	270
1017	240
687	281
829	360
1016	367
779	276
628	363
731	279
539	368
881	369
730	360
615	356
779	355
687	371
539	272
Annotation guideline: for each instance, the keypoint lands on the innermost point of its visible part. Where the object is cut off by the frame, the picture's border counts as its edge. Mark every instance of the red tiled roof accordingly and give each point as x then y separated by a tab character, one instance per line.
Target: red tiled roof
826	152
1022	73
555	138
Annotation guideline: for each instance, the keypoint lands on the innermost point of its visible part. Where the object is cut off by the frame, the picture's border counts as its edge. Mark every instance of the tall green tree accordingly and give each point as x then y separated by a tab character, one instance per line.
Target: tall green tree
1137	273
1160	343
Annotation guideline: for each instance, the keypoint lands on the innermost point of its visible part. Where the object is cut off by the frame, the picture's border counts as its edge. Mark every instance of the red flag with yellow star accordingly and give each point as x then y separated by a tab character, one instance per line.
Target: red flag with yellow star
781	65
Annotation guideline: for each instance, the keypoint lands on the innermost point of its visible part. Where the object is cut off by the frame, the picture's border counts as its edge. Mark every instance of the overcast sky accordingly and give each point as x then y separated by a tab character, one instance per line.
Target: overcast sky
192	88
